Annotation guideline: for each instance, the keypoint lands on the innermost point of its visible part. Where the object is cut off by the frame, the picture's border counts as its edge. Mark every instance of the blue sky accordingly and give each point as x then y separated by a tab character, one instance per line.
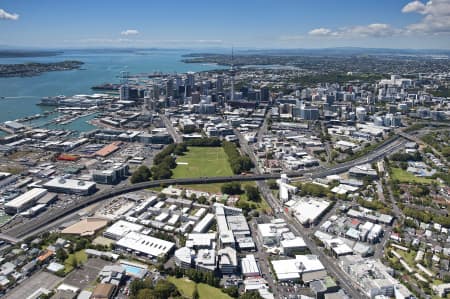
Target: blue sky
244	23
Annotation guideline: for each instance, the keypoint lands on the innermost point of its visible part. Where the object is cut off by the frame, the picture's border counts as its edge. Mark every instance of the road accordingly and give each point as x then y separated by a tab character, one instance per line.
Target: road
172	131
49	216
331	265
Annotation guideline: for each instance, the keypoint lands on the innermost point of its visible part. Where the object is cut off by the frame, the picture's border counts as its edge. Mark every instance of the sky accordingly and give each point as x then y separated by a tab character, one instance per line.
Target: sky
239	23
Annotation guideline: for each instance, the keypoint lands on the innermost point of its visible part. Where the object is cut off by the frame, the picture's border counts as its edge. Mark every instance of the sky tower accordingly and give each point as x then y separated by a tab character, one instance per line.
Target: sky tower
232	74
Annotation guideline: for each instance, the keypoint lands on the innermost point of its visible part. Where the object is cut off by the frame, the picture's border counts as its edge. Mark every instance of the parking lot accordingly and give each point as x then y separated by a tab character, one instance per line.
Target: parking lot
86	274
39	280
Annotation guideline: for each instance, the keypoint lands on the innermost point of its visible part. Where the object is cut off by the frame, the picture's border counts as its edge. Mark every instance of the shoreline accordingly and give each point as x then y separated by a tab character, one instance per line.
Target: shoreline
33	69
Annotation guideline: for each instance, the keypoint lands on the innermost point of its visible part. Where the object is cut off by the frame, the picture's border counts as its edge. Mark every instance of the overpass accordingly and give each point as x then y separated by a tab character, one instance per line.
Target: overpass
15	234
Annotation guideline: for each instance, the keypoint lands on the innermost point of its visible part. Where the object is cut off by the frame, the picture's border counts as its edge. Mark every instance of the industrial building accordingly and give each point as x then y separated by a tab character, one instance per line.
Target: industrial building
204	224
308	210
141	244
70	186
24	201
304	267
121	228
249	267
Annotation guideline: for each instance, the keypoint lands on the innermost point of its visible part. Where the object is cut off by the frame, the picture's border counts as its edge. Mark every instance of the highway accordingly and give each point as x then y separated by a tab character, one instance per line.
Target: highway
50	216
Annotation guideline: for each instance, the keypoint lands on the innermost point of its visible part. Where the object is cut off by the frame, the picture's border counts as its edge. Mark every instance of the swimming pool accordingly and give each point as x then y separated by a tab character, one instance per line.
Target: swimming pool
134	271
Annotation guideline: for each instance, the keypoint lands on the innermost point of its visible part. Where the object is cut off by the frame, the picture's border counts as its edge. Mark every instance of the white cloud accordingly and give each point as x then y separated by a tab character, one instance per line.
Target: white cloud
129	32
414	6
436	16
320	32
371	30
4	15
435	20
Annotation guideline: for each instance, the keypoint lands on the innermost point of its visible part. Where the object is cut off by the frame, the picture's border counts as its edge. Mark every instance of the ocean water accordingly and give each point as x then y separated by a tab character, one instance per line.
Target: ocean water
22	94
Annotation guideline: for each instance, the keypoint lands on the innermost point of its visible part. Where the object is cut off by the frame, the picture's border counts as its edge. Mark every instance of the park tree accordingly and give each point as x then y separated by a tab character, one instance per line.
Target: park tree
231	188
142	174
252	193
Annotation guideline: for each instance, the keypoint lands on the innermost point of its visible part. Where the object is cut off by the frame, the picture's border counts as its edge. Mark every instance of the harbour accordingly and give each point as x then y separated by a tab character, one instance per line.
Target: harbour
21	97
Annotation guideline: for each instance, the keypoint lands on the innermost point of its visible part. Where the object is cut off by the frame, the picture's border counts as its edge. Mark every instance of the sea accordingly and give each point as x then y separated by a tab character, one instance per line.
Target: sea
19	95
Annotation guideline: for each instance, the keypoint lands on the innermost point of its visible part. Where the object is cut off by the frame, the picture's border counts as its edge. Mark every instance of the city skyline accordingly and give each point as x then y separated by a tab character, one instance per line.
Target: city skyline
249	24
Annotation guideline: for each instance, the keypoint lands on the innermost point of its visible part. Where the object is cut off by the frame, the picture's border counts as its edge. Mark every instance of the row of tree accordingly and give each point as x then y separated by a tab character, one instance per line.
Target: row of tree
163	163
237	162
206	142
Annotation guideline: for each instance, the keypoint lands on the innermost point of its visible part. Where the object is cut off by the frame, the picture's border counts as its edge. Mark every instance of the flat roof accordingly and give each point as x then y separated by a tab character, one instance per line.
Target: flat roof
145	244
249	265
297	242
72	184
200	239
203	224
308	210
291	268
122	227
86	226
21	200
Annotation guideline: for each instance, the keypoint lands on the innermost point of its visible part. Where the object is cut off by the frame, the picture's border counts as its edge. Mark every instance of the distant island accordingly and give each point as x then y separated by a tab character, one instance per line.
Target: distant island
36	69
11	53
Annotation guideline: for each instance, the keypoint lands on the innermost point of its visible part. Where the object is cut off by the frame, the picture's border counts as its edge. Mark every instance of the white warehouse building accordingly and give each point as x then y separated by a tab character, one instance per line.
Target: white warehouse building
24	201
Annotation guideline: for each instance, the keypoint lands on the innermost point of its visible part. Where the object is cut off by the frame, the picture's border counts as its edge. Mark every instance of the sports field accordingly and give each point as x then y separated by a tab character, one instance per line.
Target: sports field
202	162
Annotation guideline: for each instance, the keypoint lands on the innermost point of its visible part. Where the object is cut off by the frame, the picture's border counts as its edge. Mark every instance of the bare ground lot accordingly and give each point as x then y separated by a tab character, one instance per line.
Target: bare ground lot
39	280
86	275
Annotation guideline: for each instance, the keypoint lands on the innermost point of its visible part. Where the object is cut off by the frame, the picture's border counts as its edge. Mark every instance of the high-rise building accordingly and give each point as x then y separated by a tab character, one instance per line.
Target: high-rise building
190	79
265	95
124	92
361	114
219	84
169	88
309	113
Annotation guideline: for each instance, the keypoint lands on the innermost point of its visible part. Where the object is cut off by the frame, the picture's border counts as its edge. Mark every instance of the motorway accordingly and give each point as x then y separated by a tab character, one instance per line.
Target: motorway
45	218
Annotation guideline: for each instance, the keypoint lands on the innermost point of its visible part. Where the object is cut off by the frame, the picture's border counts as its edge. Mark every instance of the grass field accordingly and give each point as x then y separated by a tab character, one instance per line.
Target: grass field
207	292
81	257
202	162
262	205
405	177
211	188
186	288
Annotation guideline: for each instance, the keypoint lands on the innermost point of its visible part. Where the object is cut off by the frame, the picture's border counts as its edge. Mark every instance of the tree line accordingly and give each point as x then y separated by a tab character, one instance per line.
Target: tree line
237	162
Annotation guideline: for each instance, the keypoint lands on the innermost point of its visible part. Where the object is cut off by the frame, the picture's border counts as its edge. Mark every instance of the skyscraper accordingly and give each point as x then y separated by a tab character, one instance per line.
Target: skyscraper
169	88
190	80
124	92
232	75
